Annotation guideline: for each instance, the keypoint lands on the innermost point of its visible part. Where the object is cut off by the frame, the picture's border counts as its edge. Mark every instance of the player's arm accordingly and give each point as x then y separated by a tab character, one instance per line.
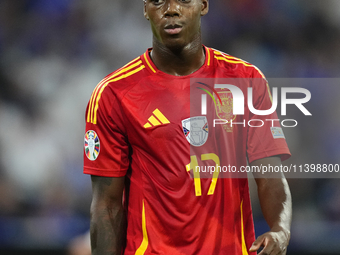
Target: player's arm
107	228
276	205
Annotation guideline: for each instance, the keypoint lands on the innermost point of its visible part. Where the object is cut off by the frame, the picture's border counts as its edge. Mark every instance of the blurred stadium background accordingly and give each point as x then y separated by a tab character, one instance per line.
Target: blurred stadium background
53	53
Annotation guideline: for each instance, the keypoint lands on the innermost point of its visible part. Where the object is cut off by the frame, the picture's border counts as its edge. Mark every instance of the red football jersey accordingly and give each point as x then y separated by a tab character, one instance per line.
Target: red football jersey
149	126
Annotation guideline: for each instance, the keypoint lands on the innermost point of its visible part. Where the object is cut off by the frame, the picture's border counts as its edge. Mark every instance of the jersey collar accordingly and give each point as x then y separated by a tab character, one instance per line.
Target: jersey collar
153	69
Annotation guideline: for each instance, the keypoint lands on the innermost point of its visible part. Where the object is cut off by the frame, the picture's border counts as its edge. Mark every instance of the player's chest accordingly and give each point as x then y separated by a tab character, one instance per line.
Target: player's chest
173	111
157	103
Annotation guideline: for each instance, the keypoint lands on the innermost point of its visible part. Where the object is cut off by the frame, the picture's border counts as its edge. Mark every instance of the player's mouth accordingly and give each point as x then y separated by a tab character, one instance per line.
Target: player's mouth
173	29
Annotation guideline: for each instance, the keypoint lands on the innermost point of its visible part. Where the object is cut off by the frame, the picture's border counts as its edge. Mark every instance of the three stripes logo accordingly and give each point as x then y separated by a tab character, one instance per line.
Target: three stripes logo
157	118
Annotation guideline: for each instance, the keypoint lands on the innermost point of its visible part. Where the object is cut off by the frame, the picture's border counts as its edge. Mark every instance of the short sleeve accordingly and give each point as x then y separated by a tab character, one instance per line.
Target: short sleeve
106	149
265	136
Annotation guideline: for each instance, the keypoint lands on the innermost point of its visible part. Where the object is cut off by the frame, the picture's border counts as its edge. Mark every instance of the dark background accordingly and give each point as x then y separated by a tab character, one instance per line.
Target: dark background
54	52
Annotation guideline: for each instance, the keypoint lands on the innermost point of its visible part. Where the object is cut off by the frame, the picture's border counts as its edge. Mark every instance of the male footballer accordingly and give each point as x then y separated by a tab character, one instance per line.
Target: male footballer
147	139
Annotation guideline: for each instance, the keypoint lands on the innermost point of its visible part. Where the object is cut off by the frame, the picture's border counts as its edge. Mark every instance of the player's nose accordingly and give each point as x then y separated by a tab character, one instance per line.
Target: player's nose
172	8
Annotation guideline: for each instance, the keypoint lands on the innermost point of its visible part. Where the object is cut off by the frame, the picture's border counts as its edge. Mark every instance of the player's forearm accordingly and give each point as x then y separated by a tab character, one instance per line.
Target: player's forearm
107	230
276	204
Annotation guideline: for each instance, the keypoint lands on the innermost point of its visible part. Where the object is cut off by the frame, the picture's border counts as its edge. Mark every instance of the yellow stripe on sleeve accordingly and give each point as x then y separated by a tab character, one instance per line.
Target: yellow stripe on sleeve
94	93
270	93
88	119
111	77
231	59
93	98
94	119
96	89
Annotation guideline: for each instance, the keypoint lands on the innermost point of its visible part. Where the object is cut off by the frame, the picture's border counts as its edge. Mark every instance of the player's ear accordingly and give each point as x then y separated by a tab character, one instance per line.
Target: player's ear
144	10
205	7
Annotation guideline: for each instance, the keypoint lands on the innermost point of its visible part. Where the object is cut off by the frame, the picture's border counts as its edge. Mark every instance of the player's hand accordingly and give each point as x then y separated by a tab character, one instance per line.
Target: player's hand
80	245
273	243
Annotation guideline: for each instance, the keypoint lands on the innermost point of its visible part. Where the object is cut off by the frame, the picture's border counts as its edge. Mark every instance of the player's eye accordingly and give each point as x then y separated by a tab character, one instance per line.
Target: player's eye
162	1
158	1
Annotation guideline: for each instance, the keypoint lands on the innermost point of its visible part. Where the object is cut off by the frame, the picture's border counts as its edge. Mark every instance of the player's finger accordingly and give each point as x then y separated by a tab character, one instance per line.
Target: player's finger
257	244
281	252
267	250
269	247
278	250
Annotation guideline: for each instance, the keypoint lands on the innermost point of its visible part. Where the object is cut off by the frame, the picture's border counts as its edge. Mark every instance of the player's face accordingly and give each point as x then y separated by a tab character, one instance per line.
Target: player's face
175	23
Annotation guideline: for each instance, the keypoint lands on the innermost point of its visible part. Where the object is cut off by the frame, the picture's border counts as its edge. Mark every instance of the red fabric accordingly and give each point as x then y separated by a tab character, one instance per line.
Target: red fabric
154	158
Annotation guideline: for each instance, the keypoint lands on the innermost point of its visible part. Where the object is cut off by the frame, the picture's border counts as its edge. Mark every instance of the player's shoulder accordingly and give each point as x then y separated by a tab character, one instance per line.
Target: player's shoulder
231	63
123	78
113	87
116	84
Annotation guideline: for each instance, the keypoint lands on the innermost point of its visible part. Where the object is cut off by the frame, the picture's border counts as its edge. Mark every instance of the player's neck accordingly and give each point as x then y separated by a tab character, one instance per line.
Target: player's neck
178	61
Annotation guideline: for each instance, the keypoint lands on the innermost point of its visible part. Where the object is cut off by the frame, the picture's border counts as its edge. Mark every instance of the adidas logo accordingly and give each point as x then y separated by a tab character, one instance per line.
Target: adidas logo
156	119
